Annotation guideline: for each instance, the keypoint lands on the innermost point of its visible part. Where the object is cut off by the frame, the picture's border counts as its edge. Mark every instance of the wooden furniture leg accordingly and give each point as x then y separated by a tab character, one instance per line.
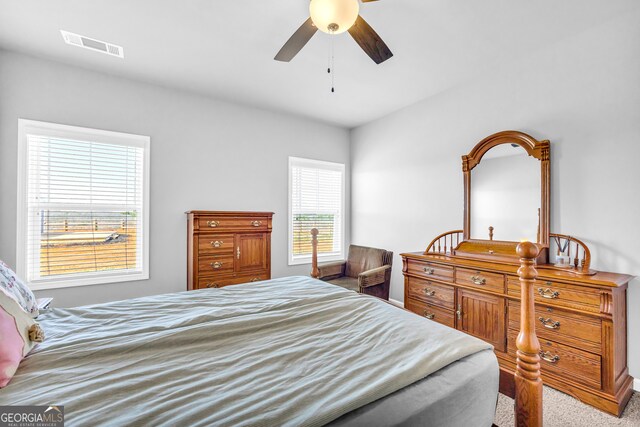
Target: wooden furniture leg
528	385
315	273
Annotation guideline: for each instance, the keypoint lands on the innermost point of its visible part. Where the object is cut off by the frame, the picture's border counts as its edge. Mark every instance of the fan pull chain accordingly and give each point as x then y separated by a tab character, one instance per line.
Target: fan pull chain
329	57
331	69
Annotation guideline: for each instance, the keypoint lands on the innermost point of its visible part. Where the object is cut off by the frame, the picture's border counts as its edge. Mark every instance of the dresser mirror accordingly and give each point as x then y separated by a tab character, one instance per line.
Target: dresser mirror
506	190
505	195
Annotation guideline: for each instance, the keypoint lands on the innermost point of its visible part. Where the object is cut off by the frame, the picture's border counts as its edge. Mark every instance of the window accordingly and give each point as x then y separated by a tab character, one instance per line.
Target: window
83	208
316	200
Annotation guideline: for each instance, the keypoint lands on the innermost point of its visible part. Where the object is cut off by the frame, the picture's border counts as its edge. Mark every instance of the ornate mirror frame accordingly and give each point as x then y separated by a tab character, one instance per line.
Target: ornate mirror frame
498	249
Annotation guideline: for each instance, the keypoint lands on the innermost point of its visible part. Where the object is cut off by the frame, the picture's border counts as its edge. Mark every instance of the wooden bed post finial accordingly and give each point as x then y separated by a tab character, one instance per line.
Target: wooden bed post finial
528	396
315	273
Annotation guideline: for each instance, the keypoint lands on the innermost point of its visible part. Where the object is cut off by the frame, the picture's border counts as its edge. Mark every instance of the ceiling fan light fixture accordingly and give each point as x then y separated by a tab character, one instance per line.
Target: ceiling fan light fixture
334	16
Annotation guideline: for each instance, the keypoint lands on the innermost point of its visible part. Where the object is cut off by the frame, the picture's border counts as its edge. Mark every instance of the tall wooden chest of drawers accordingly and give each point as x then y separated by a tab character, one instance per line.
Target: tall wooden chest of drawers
227	248
581	321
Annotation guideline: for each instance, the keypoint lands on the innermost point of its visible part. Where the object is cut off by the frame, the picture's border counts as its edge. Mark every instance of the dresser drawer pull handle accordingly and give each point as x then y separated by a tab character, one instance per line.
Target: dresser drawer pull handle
459	312
549	323
212	285
429	292
217	243
213	224
548	293
216	264
429	270
256	223
255	279
478	280
547	356
429	316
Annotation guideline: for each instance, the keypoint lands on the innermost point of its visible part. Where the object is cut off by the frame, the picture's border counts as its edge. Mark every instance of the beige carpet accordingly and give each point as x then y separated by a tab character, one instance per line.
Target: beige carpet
562	410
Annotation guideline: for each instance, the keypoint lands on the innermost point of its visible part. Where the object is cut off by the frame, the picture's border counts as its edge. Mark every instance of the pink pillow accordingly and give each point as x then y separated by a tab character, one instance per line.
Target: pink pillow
19	334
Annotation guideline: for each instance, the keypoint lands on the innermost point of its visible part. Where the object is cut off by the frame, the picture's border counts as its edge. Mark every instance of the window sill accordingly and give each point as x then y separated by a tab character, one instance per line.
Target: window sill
307	261
86	281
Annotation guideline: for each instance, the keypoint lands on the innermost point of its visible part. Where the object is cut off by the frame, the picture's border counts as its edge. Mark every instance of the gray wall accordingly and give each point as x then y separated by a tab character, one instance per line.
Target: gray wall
582	93
204	155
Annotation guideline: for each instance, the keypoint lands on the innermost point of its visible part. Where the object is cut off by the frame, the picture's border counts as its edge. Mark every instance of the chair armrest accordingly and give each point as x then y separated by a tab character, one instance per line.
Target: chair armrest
373	277
334	269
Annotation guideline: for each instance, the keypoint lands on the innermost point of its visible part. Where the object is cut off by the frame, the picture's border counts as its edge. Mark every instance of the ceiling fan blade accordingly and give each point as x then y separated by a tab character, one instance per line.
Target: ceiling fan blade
370	41
297	41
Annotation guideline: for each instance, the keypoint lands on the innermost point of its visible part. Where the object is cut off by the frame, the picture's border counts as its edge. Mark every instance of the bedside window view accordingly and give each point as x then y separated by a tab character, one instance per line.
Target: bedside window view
83	205
320	212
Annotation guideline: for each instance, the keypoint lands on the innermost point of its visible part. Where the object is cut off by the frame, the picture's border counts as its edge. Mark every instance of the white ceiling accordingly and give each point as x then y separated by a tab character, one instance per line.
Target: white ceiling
225	49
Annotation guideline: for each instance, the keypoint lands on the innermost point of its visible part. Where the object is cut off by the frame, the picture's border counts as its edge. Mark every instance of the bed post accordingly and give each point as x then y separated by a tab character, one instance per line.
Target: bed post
528	399
315	273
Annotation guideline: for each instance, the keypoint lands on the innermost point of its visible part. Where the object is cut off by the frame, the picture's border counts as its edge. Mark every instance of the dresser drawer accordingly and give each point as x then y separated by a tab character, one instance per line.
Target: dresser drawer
560	294
431	312
565	361
430	270
431	292
215	264
480	279
232	223
213	282
215	243
573	329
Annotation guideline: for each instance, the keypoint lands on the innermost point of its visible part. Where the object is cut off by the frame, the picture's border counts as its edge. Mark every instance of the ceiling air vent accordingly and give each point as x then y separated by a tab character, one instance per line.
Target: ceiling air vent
93	44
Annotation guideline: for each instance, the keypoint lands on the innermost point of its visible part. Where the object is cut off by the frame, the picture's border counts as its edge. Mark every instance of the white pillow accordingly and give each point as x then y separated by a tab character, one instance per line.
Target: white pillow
16	288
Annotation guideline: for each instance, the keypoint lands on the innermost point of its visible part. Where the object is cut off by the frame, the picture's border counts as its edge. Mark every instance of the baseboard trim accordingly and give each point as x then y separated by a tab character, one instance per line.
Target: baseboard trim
636	384
399	303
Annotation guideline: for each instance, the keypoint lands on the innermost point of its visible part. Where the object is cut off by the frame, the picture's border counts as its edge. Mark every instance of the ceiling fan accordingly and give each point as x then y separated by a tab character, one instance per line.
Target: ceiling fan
335	17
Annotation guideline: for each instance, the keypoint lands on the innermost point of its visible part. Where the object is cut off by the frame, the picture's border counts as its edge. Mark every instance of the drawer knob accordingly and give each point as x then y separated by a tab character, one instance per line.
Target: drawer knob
549	323
213	224
547	356
548	293
217	243
428	270
478	280
212	285
429	316
459	312
256	223
429	292
216	264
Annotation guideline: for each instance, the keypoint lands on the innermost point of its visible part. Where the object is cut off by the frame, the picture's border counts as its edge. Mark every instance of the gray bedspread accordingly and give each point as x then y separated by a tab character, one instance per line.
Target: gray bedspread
462	394
291	351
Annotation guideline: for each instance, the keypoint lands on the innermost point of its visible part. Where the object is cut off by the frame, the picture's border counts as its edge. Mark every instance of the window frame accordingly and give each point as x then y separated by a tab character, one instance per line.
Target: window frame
319	164
26	127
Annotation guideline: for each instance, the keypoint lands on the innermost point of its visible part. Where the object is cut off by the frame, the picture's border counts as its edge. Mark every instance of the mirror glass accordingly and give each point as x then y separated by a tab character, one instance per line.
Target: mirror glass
505	195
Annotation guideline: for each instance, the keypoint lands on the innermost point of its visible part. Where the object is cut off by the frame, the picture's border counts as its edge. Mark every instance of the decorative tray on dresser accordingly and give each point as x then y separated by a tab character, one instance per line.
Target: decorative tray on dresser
472	285
227	248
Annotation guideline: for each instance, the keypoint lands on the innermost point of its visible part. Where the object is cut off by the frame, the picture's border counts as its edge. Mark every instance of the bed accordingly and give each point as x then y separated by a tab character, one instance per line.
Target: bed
290	351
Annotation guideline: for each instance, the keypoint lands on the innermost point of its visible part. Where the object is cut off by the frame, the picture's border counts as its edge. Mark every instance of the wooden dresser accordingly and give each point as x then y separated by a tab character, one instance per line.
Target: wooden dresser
468	280
227	248
581	320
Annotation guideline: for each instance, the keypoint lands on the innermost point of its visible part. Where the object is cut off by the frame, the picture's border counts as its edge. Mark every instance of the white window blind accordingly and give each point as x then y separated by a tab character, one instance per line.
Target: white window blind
85	206
316	201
